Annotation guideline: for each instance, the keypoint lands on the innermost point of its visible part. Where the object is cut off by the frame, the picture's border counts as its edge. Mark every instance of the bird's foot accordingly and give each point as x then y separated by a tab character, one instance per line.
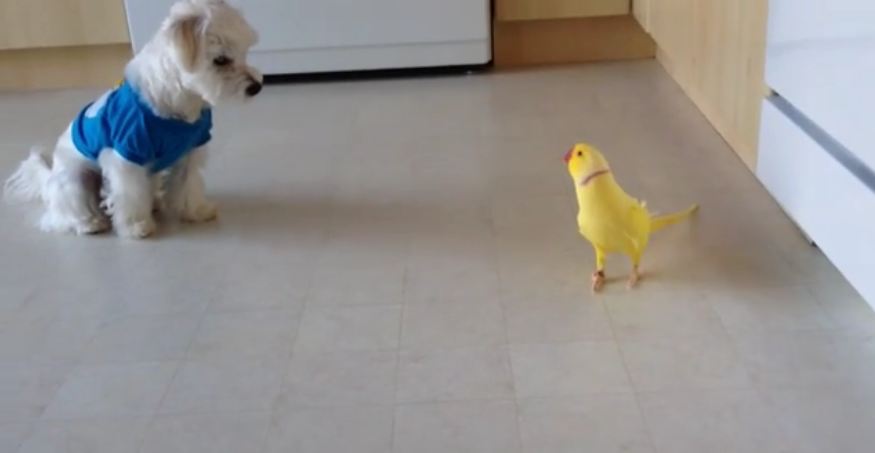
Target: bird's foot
634	279
598	281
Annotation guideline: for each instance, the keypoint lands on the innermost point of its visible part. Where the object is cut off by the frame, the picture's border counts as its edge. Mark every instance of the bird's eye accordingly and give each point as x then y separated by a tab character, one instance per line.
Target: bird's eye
580	153
222	61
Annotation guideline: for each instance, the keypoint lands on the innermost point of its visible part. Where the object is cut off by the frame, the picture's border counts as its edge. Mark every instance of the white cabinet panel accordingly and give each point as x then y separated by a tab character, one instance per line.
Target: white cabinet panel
309	24
821	58
834	207
330	35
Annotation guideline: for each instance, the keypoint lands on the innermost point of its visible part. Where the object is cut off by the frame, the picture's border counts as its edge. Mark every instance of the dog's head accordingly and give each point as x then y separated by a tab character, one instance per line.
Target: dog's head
209	41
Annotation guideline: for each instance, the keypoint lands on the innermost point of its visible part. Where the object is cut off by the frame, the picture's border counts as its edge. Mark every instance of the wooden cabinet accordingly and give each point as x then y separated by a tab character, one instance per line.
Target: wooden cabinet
62	43
641	10
558	9
28	24
715	49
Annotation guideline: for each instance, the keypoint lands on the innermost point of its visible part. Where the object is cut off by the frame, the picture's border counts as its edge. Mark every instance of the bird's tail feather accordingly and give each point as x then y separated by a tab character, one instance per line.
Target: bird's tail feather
659	222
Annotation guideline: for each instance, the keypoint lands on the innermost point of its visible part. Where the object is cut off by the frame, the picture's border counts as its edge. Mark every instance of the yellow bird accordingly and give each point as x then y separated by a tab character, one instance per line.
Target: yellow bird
610	219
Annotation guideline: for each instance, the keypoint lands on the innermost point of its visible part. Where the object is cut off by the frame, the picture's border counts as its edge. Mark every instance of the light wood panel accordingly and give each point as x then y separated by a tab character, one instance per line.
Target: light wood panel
569	41
89	66
715	49
56	23
558	9
641	10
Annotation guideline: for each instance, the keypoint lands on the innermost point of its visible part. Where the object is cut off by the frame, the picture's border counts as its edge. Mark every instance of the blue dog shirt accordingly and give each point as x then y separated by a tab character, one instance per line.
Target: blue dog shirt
122	121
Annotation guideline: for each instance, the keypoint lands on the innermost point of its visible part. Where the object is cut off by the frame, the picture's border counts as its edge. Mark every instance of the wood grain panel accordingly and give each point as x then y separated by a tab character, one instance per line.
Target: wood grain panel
569	41
715	49
68	67
558	9
56	23
641	10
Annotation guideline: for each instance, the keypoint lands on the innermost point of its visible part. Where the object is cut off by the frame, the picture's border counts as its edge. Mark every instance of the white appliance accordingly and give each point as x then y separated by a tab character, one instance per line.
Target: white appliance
306	36
817	146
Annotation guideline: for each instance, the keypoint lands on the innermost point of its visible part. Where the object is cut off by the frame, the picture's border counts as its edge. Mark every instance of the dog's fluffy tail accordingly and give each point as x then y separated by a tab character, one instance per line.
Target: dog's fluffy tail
29	181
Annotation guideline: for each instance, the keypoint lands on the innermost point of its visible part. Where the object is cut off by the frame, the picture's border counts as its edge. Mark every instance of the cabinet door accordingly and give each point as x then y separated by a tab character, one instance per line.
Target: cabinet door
313	24
58	23
558	9
821	58
641	10
672	24
331	24
715	50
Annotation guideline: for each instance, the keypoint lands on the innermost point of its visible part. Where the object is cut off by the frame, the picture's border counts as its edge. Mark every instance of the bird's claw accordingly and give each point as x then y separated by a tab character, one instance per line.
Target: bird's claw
634	279
598	281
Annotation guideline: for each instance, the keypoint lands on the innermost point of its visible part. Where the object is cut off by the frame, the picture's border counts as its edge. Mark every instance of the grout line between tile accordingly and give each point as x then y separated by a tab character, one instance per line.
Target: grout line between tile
501	304
179	365
405	281
635	395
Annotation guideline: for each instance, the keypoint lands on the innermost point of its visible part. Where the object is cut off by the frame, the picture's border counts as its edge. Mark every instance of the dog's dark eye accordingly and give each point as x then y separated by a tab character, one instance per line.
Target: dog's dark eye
222	61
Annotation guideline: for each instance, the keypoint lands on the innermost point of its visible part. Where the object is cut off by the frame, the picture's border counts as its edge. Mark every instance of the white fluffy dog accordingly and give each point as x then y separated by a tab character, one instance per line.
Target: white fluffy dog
141	146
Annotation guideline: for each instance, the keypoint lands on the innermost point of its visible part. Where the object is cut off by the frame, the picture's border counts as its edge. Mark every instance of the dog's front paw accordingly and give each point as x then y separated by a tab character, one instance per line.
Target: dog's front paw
93	225
202	212
136	229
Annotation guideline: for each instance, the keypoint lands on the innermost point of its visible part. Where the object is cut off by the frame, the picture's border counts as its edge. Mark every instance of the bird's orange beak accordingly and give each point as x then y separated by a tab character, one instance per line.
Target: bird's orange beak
567	157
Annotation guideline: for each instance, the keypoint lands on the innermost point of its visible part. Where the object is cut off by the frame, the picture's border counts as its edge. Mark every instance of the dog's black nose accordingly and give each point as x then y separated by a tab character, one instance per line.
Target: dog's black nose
253	89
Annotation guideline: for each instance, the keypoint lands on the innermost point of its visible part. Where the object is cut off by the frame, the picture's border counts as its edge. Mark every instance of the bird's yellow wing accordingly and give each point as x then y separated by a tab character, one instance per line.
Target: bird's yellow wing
615	228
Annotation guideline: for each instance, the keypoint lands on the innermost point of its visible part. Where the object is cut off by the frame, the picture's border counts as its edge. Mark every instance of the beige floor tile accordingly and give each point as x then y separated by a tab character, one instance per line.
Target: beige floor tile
826	418
568	369
13	299
142	339
481	426
365	429
684	363
271	283
844	307
447	324
115	390
470	373
250	334
12	435
456	271
224	386
26	389
726	421
783	309
604	423
347	276
46	338
349	328
792	358
554	315
341	378
237	433
646	314
86	436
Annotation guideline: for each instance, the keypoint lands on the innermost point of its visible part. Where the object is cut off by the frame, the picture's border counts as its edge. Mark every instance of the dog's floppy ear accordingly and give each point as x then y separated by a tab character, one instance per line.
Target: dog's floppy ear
186	29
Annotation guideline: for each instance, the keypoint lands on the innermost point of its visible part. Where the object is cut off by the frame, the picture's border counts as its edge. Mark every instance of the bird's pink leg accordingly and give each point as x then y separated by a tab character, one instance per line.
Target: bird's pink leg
635	277
598	277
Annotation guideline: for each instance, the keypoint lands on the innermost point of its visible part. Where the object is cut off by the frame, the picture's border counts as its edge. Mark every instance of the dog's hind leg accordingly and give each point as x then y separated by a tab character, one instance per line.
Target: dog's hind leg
71	193
129	195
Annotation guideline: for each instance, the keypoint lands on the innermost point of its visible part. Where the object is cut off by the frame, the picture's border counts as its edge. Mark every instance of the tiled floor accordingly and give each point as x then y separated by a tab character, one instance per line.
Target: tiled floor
397	269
